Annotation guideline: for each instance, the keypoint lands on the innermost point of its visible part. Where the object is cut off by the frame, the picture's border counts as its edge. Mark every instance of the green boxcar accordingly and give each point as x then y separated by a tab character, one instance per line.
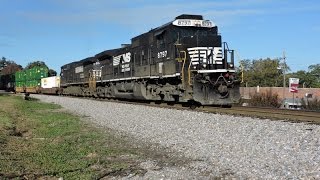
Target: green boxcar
20	84
20	76
30	78
41	73
28	74
36	73
29	84
33	83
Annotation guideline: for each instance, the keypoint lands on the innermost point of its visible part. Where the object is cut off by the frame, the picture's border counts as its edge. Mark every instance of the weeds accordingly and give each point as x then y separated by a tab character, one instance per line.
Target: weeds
311	104
265	100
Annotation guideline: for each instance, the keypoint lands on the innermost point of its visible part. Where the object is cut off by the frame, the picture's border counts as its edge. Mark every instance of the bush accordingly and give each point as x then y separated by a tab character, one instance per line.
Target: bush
312	104
265	100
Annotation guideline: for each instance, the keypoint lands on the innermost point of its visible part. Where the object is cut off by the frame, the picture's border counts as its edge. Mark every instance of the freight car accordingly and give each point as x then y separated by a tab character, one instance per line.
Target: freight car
29	81
184	60
50	85
7	82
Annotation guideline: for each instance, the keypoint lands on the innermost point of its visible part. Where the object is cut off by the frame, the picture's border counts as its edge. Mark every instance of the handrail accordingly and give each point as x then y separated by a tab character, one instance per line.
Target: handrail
189	74
183	65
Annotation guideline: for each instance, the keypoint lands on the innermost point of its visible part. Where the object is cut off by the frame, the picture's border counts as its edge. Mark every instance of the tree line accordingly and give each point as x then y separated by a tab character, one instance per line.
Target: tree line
272	72
10	67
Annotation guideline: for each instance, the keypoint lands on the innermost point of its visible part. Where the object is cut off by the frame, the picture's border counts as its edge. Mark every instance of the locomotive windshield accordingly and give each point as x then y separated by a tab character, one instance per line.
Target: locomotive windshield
183	32
196	36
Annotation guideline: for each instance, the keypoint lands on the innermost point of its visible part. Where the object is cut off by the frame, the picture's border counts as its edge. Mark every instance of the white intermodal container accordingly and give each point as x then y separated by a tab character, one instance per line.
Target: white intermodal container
50	82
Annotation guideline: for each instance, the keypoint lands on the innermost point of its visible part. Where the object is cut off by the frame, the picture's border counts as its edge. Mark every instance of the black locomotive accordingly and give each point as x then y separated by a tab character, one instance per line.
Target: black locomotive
181	61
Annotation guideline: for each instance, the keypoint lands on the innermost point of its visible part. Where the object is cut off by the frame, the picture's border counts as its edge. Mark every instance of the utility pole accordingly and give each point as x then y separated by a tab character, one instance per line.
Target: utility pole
284	73
239	60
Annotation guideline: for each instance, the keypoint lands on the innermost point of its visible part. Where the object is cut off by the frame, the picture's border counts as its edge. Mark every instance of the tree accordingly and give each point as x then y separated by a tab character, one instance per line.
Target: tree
52	72
310	78
3	63
31	65
304	78
11	68
8	66
314	68
262	72
36	64
314	71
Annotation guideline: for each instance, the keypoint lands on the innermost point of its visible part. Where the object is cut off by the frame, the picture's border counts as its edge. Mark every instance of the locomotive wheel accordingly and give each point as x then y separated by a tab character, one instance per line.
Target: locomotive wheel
193	104
226	106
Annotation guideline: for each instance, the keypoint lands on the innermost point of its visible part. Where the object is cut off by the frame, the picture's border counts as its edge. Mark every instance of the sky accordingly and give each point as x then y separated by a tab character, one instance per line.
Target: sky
62	31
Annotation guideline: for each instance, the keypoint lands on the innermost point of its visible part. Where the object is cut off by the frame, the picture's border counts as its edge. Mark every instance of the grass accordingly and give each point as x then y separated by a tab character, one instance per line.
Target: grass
39	140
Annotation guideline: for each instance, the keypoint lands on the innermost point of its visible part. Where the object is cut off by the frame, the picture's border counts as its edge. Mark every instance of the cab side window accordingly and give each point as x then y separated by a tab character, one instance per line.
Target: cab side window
161	40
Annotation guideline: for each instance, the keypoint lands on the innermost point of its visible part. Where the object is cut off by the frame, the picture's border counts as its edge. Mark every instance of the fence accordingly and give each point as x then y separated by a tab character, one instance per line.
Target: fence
247	92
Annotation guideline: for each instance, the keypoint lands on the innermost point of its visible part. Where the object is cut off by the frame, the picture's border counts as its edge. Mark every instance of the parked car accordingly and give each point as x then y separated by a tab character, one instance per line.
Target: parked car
291	103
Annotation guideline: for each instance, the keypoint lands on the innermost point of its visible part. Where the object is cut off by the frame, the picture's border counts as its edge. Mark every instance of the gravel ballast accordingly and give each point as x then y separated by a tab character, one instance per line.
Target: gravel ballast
220	145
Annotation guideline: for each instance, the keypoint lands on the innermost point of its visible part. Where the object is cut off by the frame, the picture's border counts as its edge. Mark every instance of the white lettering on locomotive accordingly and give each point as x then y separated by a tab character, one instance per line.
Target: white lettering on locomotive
162	54
124	59
205	55
193	23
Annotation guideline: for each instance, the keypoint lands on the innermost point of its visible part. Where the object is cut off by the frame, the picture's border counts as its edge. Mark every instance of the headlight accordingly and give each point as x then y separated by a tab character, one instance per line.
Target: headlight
204	65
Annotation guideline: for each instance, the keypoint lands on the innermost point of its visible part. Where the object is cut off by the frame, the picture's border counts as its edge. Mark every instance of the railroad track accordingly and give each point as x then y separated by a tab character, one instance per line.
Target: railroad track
270	113
295	116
